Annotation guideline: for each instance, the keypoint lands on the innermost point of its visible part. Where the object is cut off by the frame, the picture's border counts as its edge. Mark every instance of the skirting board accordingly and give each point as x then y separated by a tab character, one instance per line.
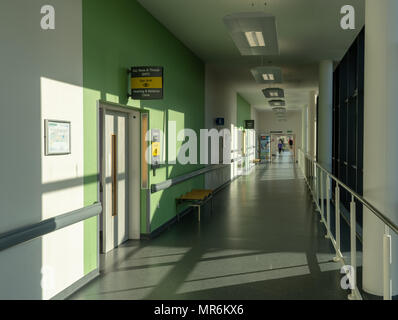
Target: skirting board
64	294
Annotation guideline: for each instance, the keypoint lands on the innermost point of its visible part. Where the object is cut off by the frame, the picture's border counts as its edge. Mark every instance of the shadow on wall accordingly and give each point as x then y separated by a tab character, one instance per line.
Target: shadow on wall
20	195
163	203
41	268
39	191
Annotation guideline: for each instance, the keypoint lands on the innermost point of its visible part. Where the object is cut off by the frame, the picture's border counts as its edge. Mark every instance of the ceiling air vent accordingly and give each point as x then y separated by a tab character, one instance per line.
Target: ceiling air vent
272	93
267	74
254	33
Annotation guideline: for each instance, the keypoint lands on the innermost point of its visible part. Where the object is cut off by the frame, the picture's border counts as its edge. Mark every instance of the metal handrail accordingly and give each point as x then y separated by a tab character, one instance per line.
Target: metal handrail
381	216
27	233
174	181
316	184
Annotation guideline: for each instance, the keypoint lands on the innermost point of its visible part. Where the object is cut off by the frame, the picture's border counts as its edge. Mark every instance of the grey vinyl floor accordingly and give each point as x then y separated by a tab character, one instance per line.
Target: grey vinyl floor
262	241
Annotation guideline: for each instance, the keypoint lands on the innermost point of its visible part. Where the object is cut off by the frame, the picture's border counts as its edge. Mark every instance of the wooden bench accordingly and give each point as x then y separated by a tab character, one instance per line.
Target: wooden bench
196	198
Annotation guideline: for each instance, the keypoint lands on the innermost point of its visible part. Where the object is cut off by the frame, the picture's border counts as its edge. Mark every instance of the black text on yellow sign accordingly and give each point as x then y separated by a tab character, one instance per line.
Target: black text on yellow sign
155	149
146	83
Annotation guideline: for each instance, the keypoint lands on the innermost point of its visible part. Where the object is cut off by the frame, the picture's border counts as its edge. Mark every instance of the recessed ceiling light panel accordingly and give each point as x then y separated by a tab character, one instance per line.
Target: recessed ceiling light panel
254	33
267	75
272	93
255	39
277	103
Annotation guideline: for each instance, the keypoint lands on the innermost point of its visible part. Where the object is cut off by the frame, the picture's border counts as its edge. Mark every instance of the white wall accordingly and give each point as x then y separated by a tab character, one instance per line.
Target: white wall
220	99
267	122
41	79
220	102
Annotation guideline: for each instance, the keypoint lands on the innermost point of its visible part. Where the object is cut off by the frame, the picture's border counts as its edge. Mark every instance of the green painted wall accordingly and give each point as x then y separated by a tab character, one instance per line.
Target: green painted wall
243	110
117	35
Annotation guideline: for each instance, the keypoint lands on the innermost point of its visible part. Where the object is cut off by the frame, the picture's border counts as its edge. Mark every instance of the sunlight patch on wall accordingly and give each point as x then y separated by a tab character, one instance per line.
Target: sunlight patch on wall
112	98
62	188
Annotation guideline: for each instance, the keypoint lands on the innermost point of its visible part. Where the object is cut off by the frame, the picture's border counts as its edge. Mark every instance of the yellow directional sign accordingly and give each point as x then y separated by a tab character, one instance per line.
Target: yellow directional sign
146	83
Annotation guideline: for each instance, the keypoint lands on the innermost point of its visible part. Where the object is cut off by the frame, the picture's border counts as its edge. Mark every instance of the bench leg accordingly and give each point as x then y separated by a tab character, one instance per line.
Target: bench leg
199	213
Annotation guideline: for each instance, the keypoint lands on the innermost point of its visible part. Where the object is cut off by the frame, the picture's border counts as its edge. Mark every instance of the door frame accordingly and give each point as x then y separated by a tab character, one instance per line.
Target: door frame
134	165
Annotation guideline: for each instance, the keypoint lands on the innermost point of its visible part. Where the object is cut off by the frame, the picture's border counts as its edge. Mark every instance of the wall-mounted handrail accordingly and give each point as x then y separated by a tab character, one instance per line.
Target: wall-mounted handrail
24	234
314	174
173	181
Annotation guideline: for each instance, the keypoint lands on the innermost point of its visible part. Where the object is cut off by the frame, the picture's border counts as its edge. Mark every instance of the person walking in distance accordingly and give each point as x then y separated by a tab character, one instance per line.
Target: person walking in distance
280	146
291	143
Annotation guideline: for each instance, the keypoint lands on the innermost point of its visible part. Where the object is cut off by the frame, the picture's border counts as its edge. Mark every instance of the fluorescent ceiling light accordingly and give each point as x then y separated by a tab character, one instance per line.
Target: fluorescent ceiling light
271	93
268	77
277	103
254	33
250	39
260	39
255	38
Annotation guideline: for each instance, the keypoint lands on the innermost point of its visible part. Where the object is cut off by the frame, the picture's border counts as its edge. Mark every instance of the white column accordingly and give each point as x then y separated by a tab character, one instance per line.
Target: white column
311	124
325	114
304	128
380	136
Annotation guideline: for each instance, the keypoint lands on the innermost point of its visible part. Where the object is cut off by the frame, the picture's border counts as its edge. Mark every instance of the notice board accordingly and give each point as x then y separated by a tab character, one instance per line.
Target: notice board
57	137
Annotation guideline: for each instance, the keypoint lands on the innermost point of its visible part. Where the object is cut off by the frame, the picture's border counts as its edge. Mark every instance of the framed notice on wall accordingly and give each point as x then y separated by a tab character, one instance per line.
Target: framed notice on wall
57	137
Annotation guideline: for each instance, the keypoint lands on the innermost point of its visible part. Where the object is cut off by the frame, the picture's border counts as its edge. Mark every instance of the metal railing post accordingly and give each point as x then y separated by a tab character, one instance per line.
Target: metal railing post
353	222
337	213
387	259
328	235
314	173
316	192
306	168
321	185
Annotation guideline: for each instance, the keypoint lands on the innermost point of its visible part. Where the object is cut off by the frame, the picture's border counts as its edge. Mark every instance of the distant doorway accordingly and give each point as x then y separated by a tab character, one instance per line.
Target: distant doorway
288	142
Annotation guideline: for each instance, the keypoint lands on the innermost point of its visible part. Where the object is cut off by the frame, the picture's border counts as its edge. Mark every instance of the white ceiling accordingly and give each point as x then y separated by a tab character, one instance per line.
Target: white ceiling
308	32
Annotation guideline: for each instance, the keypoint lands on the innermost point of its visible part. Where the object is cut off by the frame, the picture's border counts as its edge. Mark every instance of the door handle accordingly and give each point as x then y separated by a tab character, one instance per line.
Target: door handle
114	175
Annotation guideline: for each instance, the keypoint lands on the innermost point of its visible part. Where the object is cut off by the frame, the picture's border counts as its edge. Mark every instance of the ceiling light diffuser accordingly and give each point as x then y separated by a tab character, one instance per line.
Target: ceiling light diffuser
277	103
267	75
270	93
279	110
255	39
254	33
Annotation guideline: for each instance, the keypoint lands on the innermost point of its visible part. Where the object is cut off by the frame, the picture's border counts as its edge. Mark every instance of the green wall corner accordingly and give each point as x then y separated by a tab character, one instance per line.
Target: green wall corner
243	109
113	42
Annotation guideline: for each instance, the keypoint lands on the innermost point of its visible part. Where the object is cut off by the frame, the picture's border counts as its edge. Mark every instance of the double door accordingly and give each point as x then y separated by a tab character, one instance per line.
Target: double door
114	179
